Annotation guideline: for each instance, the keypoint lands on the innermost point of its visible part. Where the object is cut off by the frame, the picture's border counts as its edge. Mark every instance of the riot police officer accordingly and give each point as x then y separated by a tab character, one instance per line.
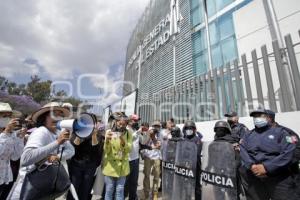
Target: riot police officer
238	130
266	154
223	133
169	156
190	133
176	134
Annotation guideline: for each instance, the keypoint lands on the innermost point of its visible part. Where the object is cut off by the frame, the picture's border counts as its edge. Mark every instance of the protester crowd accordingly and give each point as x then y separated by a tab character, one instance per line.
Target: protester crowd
38	160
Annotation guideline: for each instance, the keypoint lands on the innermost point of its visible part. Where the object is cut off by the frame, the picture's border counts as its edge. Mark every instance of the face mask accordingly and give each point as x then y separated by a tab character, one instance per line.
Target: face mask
189	132
4	121
260	122
220	133
135	126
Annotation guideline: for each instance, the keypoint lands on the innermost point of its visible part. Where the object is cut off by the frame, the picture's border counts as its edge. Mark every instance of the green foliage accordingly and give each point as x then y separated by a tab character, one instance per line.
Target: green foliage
39	90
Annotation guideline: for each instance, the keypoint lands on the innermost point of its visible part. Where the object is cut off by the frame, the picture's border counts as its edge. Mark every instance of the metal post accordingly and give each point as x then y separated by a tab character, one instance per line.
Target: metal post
247	83
271	94
217	101
239	90
277	36
230	87
207	35
223	91
286	100
295	69
260	96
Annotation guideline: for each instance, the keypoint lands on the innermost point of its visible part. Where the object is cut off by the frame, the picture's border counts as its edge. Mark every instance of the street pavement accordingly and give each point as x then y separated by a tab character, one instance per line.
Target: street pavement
140	185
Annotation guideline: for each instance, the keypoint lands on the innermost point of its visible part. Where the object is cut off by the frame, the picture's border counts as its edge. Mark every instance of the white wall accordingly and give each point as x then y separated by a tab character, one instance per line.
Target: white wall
288	119
252	31
251	25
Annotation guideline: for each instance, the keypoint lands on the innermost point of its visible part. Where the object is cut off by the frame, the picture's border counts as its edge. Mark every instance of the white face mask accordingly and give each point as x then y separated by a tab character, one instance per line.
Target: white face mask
189	132
260	122
4	121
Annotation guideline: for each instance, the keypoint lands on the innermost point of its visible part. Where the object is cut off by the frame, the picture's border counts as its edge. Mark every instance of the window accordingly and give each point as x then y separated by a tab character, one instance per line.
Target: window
201	63
213	34
216	55
222	41
229	50
226	27
213	6
197	15
200	55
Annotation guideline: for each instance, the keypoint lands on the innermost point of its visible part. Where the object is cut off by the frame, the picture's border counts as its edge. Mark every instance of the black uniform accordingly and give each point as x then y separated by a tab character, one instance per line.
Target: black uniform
198	142
239	130
272	147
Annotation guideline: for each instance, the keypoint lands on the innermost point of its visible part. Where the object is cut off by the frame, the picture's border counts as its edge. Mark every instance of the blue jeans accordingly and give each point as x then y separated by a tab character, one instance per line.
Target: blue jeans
114	185
132	180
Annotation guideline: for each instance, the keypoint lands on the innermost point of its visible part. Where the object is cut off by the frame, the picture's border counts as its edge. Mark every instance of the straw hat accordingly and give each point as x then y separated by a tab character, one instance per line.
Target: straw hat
52	106
6	108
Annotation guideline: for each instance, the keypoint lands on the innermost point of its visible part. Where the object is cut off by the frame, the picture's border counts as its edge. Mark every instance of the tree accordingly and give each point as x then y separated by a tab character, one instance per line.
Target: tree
39	90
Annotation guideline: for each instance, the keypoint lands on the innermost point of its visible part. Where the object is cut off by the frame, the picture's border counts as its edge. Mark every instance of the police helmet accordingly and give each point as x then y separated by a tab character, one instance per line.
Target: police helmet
189	124
222	124
175	132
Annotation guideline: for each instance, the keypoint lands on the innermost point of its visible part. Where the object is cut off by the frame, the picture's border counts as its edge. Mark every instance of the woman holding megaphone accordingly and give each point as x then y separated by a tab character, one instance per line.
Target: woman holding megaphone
117	146
41	175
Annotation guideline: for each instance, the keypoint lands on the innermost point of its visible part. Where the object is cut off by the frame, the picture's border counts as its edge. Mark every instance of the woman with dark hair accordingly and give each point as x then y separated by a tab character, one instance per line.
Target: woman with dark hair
44	143
83	165
117	146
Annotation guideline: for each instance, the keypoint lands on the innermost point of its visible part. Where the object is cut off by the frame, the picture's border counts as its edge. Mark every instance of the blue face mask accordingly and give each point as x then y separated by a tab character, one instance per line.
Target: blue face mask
260	122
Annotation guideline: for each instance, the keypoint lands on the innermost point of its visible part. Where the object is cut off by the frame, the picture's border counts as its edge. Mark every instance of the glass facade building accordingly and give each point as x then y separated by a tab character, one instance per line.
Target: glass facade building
158	59
213	27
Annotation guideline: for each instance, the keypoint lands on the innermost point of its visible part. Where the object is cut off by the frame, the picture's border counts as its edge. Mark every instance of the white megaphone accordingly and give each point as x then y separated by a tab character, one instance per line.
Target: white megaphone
83	126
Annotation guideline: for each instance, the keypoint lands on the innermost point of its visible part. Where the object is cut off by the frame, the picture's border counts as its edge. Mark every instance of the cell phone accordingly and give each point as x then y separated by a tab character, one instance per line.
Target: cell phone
20	124
116	134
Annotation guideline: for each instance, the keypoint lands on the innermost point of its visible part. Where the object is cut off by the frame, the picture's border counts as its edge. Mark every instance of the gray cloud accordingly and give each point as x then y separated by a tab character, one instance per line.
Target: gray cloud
60	37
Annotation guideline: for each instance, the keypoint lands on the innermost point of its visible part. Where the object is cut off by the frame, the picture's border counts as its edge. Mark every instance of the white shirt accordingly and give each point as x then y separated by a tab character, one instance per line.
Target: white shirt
11	148
165	137
134	154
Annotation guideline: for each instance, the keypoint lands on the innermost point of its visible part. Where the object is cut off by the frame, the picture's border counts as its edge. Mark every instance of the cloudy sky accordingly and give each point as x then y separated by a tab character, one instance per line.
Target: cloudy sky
62	39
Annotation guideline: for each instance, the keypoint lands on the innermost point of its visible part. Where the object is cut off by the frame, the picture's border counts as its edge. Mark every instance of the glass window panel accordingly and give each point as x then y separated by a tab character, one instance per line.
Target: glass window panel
216	55
199	41
195	17
220	4
226	27
229	49
201	63
211	7
213	33
194	3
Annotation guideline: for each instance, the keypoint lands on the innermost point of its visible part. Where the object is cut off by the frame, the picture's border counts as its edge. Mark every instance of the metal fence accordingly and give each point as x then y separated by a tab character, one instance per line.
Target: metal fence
270	80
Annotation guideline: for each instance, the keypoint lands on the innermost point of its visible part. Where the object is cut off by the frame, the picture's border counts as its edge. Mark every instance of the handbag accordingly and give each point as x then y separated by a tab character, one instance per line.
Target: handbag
45	182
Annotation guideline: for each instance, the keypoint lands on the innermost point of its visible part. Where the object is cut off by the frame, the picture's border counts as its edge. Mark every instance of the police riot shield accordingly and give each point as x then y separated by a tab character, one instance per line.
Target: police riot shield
168	164
219	173
185	171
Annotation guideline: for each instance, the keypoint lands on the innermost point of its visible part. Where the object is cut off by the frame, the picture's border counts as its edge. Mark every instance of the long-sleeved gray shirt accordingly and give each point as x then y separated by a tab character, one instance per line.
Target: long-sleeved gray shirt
41	143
